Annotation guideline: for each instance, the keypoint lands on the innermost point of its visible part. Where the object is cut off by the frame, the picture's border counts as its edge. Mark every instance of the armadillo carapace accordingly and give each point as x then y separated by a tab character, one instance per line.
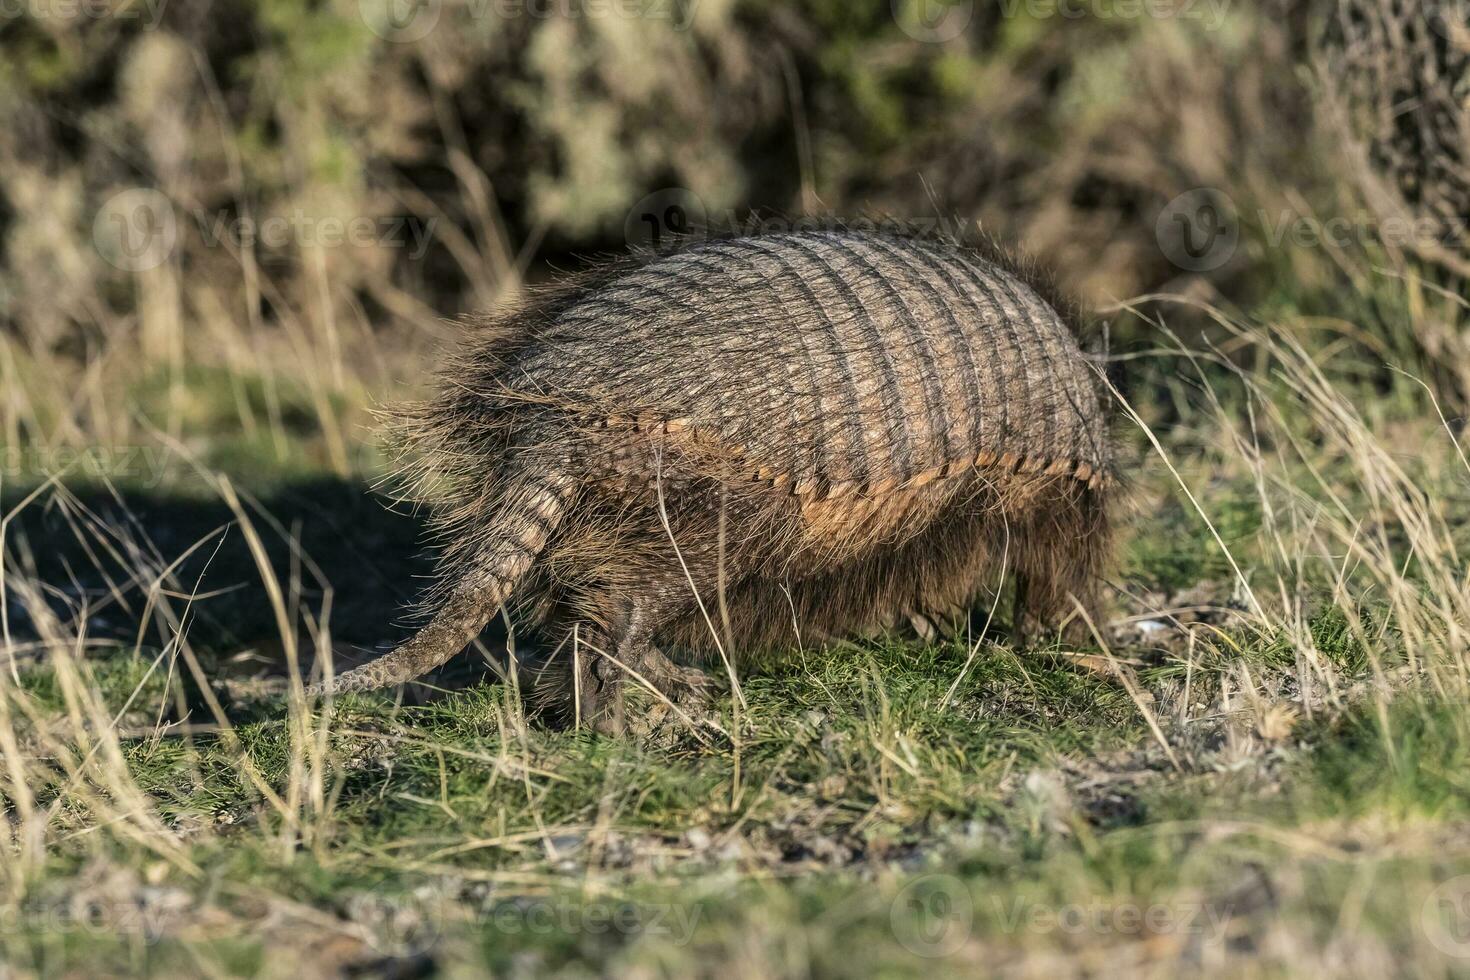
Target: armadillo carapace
751	443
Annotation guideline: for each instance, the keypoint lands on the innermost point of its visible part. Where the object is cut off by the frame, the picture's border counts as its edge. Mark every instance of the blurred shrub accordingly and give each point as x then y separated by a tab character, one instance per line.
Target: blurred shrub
321	181
1395	87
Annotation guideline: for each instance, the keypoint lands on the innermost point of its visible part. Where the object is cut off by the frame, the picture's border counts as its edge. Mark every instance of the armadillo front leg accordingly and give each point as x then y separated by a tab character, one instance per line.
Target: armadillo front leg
603	677
645	602
599	684
684	686
636	660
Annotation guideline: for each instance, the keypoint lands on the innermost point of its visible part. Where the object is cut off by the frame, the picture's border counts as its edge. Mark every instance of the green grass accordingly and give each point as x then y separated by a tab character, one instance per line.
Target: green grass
570	852
1279	791
861	814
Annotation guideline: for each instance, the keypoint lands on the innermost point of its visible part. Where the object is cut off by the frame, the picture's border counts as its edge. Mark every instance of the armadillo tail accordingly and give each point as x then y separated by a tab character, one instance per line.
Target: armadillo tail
530	511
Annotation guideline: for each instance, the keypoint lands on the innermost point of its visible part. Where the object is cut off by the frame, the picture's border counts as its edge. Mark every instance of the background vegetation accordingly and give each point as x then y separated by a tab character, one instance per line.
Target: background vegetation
230	229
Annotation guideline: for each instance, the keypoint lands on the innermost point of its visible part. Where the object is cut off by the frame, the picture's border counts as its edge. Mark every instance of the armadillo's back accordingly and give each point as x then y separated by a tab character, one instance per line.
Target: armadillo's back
834	359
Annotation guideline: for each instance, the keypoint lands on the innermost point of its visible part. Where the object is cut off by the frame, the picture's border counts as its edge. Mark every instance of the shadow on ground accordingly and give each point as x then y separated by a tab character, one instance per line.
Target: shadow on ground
333	546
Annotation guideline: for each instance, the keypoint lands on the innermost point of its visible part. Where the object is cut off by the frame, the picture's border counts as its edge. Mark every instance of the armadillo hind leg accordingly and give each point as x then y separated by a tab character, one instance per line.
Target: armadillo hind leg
532	505
1056	592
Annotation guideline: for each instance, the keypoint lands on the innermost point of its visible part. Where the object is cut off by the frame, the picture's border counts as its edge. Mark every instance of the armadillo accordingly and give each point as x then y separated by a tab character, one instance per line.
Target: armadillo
752	443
